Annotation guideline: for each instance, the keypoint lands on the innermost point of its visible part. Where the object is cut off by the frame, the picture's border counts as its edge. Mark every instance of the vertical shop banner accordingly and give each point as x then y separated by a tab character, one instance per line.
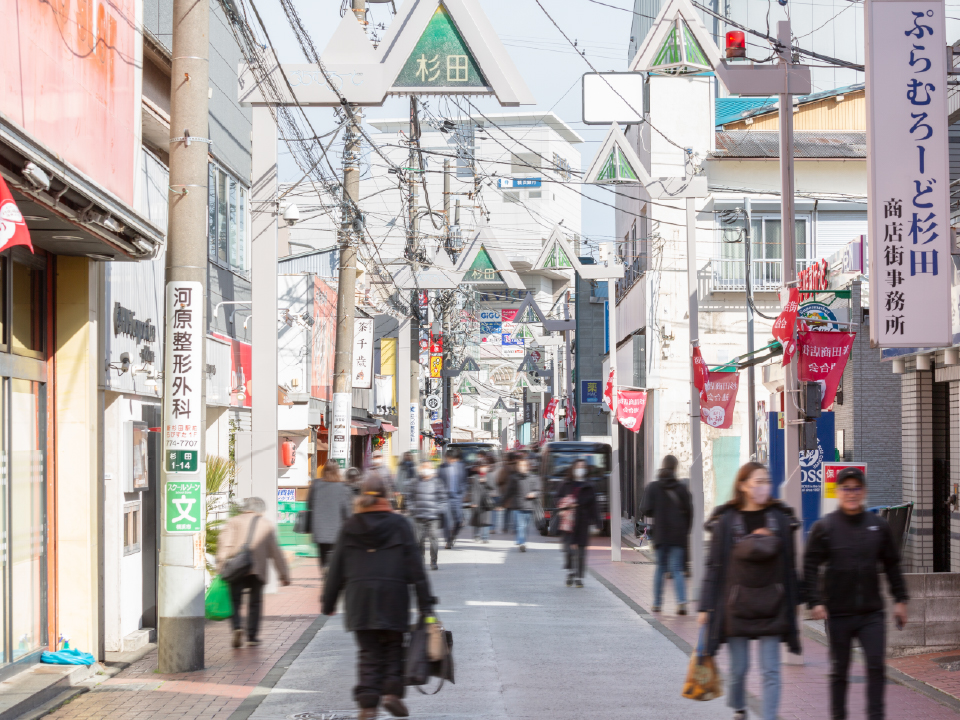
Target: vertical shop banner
571	417
701	374
609	390
340	431
908	174
436	366
550	411
324	340
13	228
823	356
630	407
363	353
413	427
719	399
183	365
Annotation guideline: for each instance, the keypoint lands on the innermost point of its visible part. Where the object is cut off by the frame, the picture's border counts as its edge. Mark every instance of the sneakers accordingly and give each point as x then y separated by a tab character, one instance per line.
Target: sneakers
579	583
434	566
740	715
394	705
569	579
523	548
237	638
367	714
682	609
655	608
253	643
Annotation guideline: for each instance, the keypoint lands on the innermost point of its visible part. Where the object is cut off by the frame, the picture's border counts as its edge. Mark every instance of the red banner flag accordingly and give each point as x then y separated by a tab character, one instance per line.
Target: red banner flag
13	228
630	407
823	356
550	411
783	327
608	390
716	408
571	416
701	374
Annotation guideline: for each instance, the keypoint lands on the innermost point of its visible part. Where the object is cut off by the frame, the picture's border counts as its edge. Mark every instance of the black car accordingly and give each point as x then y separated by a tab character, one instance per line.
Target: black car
556	459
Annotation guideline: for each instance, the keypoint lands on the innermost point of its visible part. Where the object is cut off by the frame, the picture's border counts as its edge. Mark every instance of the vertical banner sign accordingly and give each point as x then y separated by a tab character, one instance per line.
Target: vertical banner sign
823	356
363	353
701	374
182	407
719	398
413	427
340	432
908	175
630	407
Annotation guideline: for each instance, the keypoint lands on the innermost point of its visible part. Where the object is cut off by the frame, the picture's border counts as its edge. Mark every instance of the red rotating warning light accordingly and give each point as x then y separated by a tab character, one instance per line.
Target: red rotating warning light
736	44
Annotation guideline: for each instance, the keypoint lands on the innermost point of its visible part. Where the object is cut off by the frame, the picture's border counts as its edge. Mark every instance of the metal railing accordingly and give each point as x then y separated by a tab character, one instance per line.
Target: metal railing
631	273
765	275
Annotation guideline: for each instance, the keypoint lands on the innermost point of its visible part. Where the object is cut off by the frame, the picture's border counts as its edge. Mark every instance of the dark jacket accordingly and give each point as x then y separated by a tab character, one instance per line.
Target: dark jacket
852	547
717	588
481	497
587	511
375	561
331	503
427	499
515	492
669	503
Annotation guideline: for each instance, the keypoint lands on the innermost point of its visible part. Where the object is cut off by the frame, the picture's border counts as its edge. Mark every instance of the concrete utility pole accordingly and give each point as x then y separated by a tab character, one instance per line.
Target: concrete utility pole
614	489
791	491
182	561
448	311
351	231
696	446
751	375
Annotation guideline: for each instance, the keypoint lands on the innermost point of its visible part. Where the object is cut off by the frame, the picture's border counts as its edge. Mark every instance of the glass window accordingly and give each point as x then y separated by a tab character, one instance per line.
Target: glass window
242	230
233	221
222	217
212	210
227	220
27	315
28	510
131	528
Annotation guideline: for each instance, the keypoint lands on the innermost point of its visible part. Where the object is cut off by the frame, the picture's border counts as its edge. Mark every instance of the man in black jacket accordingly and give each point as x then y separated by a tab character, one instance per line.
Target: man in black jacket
375	562
852	543
669	503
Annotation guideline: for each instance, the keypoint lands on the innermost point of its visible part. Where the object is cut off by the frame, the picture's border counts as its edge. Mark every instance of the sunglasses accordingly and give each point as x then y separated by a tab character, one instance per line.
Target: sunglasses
850	488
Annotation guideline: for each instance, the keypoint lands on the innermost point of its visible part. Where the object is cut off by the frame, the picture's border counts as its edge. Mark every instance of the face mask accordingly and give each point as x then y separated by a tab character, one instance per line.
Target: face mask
578	473
760	493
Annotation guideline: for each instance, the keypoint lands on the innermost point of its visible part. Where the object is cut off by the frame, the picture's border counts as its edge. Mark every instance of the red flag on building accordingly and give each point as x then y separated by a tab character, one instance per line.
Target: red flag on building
550	411
608	390
783	327
701	374
720	398
630	407
13	228
571	417
823	356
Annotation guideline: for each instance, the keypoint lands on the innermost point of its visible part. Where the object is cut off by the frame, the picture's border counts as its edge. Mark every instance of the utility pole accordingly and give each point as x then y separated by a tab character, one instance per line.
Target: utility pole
182	566
790	492
413	225
448	309
351	230
696	446
751	376
614	489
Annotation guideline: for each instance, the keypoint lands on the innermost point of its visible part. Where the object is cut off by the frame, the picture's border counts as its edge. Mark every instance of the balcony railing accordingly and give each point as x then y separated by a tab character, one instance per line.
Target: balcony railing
631	273
765	275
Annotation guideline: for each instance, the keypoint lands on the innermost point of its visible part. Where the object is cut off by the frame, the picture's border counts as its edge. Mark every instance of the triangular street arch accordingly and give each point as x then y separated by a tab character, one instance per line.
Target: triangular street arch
557	253
483	262
498	405
528	365
677	44
469	365
617	162
466	386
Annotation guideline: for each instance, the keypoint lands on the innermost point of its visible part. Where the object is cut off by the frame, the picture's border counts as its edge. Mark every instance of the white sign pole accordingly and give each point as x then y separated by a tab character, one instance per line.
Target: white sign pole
908	174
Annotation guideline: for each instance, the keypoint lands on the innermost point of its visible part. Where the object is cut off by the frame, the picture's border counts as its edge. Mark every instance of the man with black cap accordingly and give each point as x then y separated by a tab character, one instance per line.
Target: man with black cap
853	543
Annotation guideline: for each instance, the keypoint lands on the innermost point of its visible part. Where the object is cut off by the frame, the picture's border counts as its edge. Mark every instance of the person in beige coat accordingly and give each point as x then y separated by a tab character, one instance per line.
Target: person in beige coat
263	546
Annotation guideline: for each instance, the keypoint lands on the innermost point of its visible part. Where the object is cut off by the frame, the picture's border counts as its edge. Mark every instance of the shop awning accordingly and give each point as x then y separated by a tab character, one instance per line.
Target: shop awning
387	427
364	427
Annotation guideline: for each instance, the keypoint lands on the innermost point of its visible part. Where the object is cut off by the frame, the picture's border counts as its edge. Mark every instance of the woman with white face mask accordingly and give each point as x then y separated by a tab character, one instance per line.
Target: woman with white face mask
750	589
577	502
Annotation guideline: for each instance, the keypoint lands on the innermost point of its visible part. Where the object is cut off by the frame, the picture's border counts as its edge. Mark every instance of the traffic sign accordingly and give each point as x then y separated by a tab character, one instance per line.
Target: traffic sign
184	507
433	403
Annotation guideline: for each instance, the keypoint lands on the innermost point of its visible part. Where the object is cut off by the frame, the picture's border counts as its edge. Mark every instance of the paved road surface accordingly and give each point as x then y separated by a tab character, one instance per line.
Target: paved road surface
526	648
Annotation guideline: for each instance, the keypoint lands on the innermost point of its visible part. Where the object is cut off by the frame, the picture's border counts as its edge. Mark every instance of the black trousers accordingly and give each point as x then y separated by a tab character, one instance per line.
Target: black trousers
324	551
576	561
379	666
255	586
427	533
871	632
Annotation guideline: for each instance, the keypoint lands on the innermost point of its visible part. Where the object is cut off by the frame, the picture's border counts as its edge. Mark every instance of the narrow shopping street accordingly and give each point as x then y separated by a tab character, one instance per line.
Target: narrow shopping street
526	648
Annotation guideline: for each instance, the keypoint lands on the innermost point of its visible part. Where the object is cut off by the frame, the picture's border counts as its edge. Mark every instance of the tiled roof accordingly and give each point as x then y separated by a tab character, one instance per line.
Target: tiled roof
806	144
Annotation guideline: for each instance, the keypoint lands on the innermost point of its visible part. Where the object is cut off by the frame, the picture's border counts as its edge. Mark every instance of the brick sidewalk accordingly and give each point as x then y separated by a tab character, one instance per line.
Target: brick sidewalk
805	687
140	691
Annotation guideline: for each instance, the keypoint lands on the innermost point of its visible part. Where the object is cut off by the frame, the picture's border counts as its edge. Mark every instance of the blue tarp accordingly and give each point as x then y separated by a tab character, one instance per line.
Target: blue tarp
67	657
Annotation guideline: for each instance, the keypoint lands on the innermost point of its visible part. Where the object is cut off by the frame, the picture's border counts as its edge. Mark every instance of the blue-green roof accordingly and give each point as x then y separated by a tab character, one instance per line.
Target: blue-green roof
731	109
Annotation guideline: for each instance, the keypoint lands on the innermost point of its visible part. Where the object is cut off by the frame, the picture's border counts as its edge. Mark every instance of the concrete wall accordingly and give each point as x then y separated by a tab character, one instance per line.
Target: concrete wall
934	616
78	441
916	397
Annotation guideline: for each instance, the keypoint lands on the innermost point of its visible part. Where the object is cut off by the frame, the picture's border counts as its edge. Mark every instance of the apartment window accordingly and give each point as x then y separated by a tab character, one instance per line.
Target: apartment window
511	197
536	194
227	241
766	249
524	163
131	528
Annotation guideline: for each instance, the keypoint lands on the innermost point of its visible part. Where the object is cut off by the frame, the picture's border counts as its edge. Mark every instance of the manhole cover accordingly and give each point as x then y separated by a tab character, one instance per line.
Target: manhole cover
950	662
325	715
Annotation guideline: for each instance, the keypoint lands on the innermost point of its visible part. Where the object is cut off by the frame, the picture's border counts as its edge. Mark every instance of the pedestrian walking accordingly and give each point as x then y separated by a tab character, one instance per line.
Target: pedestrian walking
853	544
669	503
454	476
330	503
750	588
378	469
250	530
406	475
427	500
520	493
375	561
482	489
353	478
581	498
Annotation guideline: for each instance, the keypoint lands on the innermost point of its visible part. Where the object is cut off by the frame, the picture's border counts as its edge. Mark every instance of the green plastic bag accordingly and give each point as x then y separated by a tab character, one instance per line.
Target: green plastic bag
218	605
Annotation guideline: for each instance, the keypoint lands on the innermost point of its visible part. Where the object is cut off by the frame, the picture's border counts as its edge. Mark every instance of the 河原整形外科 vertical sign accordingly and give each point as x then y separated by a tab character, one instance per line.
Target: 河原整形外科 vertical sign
908	174
182	380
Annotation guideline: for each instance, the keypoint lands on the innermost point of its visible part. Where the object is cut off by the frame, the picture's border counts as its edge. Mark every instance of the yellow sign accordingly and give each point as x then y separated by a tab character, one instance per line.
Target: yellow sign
436	365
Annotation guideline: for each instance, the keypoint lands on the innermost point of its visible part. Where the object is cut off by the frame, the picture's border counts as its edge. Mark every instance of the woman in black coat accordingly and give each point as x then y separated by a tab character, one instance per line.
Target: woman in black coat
520	494
585	513
750	589
374	563
482	489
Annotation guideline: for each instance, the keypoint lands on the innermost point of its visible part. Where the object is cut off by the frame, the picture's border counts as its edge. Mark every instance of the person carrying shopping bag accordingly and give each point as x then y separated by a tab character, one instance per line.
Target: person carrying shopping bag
586	512
750	589
331	503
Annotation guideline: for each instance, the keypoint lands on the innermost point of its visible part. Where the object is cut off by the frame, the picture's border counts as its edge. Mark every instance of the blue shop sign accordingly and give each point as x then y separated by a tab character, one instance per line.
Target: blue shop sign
519	182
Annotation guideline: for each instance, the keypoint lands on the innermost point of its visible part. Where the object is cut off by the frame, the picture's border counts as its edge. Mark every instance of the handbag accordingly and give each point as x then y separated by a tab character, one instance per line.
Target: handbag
429	653
240	565
217	604
703	679
304	522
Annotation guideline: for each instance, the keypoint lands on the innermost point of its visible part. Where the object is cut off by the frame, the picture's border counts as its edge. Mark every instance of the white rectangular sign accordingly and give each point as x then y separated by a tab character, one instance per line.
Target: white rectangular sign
182	378
908	174
340	431
612	97
363	353
413	427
